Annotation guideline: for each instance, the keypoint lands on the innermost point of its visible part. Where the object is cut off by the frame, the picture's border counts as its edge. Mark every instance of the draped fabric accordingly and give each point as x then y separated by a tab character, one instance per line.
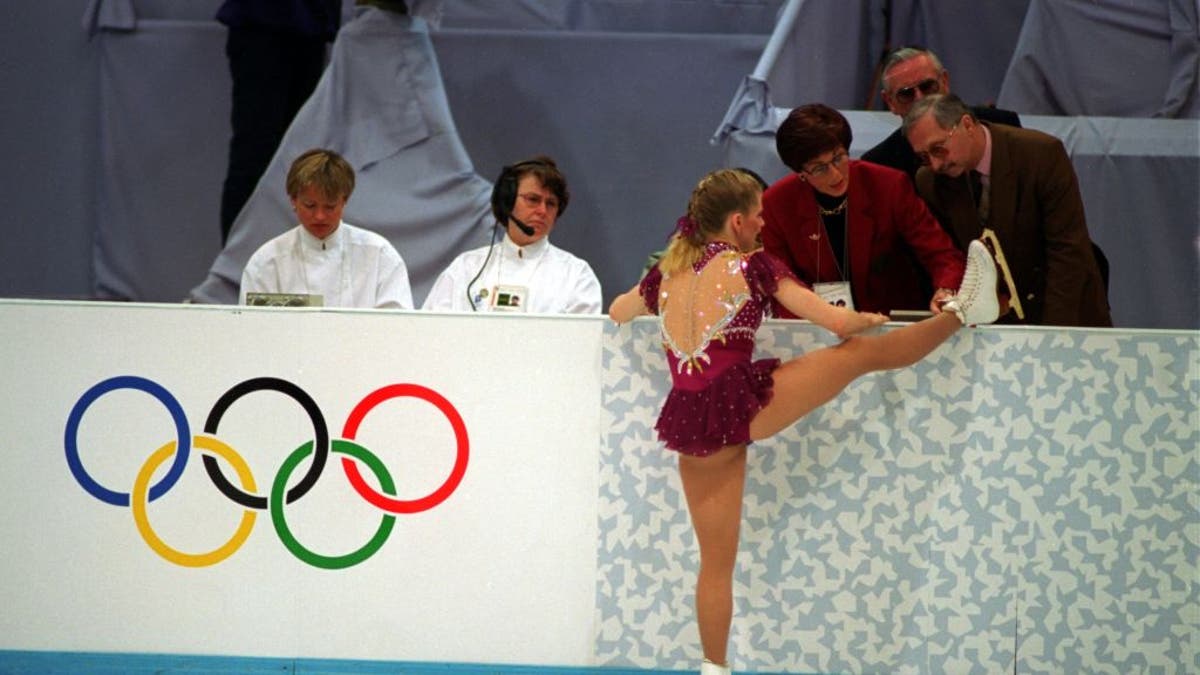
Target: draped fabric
1147	68
381	105
124	128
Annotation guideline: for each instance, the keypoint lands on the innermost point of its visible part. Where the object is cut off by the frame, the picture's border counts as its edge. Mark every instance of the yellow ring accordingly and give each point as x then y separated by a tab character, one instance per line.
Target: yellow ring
141	487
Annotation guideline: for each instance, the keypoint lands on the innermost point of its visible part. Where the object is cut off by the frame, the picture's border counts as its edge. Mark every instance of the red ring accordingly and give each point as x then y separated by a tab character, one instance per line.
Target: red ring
434	498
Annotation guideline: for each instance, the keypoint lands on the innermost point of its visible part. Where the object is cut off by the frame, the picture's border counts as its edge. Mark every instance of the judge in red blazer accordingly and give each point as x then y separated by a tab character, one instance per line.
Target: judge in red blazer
857	232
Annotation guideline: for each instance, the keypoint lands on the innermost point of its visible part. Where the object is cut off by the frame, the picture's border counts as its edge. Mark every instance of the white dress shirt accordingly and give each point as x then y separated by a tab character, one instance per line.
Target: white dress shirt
352	267
557	282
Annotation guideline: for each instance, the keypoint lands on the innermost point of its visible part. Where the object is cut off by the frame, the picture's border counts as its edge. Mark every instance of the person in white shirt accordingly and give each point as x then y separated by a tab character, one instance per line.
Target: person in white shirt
524	272
343	265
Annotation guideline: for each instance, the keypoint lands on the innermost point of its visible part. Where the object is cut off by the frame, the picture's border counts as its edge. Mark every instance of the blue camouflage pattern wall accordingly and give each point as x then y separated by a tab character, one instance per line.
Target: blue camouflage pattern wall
1024	500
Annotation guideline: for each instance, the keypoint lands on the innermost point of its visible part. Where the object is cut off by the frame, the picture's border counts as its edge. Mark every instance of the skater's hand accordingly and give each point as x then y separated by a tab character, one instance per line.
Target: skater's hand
941	296
857	322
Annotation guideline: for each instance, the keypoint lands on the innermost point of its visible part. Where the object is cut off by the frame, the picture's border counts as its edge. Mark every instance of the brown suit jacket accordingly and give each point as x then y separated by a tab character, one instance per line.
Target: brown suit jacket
1037	214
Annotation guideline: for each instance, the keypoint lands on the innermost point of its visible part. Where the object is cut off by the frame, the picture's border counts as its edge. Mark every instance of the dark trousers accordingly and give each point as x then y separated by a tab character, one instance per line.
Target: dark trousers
273	75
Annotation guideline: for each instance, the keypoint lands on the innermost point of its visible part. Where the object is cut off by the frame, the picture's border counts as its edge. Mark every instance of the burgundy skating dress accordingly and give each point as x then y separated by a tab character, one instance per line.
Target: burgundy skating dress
709	317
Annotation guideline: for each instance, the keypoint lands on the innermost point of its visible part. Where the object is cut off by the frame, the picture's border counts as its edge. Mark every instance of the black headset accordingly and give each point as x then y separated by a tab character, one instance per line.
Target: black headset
504	193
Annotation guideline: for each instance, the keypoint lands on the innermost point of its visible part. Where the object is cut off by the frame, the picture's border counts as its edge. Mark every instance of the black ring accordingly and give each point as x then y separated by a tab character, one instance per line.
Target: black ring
320	447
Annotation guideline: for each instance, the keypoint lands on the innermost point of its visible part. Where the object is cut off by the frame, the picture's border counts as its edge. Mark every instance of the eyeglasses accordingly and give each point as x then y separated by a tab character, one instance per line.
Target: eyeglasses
534	200
819	169
927	87
938	150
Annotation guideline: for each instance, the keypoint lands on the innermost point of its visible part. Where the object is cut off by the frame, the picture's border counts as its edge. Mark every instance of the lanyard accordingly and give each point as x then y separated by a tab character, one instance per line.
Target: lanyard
844	268
494	277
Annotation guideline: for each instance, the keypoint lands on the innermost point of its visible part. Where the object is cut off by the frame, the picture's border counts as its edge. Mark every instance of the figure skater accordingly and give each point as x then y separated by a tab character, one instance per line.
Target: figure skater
711	289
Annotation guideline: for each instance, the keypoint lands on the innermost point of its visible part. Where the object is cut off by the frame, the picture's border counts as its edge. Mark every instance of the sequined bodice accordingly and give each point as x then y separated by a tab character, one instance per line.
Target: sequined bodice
710	314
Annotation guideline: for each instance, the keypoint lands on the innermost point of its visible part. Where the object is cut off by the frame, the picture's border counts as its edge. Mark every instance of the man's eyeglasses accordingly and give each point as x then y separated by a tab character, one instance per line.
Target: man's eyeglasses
821	168
534	200
927	88
938	150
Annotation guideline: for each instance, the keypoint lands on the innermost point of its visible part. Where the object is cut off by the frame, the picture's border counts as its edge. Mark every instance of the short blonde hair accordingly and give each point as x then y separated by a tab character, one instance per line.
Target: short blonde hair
323	169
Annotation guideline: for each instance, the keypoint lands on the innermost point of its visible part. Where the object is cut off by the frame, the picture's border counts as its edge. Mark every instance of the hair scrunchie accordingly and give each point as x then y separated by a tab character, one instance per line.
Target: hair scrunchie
686	227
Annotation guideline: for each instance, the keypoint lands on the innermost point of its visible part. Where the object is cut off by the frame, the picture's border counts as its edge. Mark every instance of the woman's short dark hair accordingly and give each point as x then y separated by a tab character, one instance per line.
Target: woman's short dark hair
809	132
548	175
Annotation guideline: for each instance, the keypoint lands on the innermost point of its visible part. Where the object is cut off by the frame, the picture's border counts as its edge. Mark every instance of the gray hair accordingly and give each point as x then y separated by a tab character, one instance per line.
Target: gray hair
898	56
947	110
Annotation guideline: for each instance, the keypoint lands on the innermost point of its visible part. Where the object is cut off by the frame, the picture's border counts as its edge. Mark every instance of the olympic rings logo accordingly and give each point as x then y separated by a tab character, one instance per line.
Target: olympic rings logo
246	495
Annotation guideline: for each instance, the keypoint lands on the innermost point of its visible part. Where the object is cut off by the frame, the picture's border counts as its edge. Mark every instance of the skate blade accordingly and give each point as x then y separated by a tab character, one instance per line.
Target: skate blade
988	237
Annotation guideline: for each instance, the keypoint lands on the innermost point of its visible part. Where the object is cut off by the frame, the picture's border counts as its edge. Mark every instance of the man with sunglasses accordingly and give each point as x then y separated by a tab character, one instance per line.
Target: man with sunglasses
1018	188
910	74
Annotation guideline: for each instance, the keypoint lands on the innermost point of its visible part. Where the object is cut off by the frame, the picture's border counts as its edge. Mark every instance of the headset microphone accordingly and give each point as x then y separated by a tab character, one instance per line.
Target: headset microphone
529	231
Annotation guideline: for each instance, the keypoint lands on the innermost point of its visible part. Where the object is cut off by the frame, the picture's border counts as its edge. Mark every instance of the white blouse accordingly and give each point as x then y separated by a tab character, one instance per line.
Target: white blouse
555	281
352	267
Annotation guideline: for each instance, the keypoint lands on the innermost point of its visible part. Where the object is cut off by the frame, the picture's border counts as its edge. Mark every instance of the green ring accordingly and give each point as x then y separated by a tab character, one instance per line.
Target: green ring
279	488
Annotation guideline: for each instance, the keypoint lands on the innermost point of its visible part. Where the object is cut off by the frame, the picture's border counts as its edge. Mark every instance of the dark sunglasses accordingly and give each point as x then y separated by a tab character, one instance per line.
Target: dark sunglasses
927	87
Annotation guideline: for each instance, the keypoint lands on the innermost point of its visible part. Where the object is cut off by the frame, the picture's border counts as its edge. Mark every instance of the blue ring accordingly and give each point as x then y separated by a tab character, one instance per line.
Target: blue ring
182	449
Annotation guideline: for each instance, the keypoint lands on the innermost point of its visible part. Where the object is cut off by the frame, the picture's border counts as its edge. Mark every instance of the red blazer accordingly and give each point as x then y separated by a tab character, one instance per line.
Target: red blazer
898	252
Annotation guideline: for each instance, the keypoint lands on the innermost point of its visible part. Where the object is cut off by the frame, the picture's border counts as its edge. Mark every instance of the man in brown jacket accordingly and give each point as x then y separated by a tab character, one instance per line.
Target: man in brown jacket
1018	184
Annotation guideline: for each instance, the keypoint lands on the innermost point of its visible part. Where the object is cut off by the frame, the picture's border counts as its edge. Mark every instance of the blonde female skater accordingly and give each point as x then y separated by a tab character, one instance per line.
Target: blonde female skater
711	289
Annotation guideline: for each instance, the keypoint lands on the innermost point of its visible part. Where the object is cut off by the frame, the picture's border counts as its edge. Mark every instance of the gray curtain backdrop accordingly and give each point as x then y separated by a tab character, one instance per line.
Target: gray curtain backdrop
118	129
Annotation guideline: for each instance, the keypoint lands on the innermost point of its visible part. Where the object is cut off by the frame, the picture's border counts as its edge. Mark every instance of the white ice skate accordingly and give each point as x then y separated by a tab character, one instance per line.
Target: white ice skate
976	301
710	668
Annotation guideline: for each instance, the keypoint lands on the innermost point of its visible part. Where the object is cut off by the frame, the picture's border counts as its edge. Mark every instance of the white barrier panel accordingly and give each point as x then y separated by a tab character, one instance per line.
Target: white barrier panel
1023	499
498	566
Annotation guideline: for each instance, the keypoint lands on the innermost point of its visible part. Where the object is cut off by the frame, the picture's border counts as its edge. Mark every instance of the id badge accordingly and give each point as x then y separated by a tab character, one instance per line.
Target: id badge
835	293
509	298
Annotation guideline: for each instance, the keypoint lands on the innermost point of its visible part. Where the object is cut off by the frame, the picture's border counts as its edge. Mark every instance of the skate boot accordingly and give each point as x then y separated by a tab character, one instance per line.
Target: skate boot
710	668
976	301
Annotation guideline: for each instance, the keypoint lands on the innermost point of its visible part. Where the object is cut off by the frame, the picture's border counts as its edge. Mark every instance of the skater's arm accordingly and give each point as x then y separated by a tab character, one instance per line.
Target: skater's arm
805	304
627	306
